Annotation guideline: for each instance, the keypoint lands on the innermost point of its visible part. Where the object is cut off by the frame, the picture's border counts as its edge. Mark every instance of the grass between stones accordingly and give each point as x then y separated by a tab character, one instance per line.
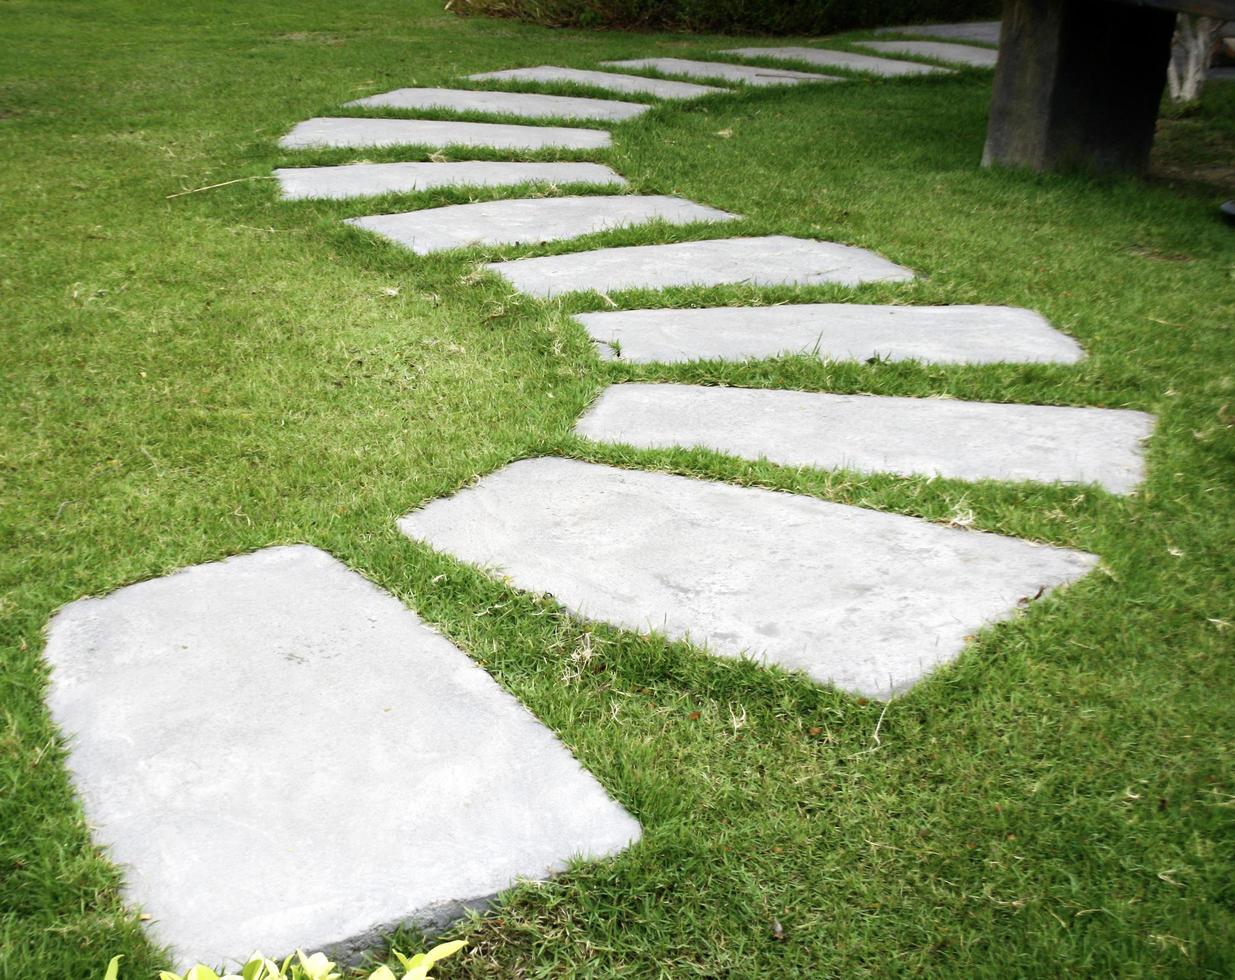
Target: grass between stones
191	378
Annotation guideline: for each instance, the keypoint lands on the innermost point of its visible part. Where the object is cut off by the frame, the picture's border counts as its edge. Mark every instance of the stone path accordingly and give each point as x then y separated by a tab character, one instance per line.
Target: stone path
774	260
984	31
276	722
865	600
529	105
875	434
540	219
835	331
962	54
743	74
630	84
357	132
839	59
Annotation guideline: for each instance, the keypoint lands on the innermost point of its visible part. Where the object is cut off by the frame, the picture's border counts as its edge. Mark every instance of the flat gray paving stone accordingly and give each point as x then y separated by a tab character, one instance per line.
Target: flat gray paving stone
832	331
961	54
984	31
355	132
876	434
529	105
743	74
839	59
610	81
372	179
527	220
868	601
281	755
774	260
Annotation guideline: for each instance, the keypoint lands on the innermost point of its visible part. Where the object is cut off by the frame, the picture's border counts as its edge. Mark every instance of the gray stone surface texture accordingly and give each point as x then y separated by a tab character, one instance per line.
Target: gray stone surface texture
280	755
743	74
769	261
878	434
983	31
610	81
865	600
834	331
529	105
372	179
342	131
960	54
526	220
839	59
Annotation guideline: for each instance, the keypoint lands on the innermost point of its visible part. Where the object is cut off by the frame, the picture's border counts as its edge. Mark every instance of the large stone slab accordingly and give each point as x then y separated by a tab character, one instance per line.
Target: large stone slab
774	260
610	81
529	105
875	434
960	54
839	59
984	31
865	600
359	132
371	179
834	331
280	755
742	74
541	219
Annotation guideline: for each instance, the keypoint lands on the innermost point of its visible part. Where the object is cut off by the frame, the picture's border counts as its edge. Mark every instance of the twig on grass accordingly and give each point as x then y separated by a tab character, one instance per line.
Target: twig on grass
210	187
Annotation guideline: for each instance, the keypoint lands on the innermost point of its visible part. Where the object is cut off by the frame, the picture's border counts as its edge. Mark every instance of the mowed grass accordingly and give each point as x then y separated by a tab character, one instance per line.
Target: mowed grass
192	377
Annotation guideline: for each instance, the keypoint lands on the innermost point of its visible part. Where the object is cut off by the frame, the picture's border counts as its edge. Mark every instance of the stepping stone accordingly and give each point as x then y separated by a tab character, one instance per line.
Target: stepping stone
876	434
631	84
961	54
833	331
744	74
281	755
543	219
984	31
775	260
839	59
867	601
357	132
370	179
526	104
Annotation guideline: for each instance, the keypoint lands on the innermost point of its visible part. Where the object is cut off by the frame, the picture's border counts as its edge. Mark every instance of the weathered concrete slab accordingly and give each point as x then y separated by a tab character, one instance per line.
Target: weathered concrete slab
774	260
371	179
358	132
839	59
866	600
833	331
984	31
875	434
959	54
280	755
742	74
542	219
529	105
610	81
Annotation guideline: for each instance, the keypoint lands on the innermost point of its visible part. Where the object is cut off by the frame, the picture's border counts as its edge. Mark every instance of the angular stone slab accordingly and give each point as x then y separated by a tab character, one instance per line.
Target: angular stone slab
868	601
960	54
357	132
372	179
833	331
610	81
775	260
280	755
529	105
542	219
984	31
839	59
876	434
742	74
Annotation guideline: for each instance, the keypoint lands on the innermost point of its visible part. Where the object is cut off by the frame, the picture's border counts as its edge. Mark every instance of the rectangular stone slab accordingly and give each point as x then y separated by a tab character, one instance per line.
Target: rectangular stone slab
868	601
538	219
961	54
280	755
833	331
774	260
357	132
610	81
985	31
877	434
839	59
529	105
371	179
742	74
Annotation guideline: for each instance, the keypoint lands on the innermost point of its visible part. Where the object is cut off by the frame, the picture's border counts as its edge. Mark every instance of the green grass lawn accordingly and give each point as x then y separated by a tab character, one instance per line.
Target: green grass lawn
190	377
